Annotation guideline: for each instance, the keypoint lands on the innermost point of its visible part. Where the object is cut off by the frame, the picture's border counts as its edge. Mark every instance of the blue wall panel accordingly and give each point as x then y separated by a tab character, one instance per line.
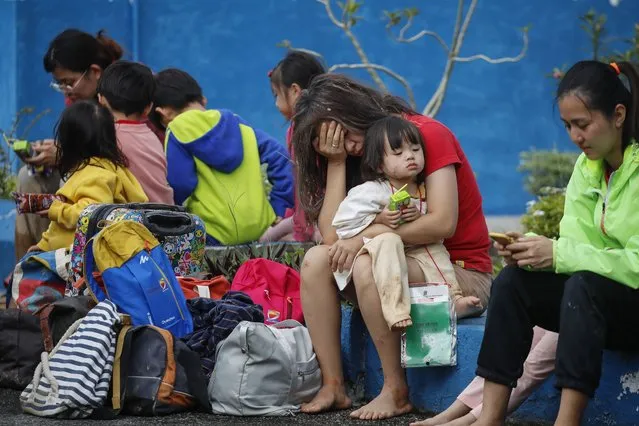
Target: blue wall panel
495	110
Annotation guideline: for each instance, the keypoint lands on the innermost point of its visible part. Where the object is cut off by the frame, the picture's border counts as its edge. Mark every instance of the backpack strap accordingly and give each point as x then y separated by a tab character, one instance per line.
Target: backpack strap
47	337
120	367
89	267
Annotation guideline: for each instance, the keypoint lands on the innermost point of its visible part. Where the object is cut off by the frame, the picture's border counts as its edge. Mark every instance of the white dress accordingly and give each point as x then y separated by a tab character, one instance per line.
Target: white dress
358	211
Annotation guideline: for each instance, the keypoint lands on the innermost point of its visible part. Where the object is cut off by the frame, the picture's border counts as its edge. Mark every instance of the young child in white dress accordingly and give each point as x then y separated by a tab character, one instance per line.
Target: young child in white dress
394	159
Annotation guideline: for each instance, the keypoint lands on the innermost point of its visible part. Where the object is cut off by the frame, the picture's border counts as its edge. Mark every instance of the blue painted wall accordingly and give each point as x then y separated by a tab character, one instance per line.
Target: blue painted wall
495	110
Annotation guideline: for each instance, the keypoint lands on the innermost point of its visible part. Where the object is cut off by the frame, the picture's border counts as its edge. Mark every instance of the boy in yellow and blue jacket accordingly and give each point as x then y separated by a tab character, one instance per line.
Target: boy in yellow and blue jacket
215	163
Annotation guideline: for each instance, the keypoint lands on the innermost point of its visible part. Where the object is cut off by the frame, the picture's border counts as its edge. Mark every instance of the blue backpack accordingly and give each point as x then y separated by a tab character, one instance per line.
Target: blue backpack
137	276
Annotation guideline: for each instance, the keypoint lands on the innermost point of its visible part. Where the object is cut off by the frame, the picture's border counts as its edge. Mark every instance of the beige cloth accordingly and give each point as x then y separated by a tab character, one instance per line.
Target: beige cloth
474	283
390	272
29	227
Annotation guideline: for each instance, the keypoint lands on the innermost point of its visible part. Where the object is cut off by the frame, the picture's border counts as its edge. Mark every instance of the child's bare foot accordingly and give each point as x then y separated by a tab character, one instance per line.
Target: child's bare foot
329	397
457	410
402	325
389	403
468	306
467	420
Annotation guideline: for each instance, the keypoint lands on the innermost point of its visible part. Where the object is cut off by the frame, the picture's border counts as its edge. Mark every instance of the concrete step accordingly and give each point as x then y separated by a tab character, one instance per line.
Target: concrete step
433	389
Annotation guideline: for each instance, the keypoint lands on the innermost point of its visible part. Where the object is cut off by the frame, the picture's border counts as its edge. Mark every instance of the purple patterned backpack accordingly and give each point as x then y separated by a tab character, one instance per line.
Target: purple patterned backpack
182	235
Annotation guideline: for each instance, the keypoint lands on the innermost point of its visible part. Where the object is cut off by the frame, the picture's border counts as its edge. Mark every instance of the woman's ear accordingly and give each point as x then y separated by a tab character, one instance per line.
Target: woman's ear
96	71
620	116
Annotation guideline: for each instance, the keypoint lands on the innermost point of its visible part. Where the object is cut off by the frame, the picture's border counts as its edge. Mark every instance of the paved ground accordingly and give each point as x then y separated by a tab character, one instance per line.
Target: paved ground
11	414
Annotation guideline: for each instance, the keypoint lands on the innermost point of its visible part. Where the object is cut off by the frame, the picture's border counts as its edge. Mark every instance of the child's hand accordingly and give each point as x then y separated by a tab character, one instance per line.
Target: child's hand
34	248
43	213
410	213
388	218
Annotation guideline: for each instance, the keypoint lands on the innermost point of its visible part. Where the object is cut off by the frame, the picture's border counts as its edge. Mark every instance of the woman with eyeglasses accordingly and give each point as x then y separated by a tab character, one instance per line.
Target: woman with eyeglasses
76	60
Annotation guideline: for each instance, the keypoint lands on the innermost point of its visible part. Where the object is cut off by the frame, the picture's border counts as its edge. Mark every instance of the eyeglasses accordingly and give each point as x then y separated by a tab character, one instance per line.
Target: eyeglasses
65	88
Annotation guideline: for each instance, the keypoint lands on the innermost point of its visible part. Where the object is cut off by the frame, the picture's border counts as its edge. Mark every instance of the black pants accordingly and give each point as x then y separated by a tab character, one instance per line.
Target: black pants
590	313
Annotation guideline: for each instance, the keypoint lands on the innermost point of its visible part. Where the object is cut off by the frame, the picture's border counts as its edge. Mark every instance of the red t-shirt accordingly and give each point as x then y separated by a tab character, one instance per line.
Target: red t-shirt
469	246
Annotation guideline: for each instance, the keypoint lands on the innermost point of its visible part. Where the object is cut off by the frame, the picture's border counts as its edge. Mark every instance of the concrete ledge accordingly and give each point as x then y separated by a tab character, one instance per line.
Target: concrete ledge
433	389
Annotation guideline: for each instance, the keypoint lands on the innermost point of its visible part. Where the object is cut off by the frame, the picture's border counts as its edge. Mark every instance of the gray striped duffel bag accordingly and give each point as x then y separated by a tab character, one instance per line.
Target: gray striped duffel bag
74	379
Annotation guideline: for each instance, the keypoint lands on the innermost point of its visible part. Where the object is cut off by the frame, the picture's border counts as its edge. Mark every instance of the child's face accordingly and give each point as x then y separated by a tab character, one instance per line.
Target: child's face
403	163
285	99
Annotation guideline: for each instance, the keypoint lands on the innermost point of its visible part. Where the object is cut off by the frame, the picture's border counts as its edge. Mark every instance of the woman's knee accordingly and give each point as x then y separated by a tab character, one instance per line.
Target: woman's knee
582	286
315	264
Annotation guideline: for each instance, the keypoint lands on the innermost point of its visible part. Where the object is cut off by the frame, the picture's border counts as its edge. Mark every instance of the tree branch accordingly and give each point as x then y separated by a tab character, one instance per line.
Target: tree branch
396	76
329	12
423	33
485	58
355	42
434	104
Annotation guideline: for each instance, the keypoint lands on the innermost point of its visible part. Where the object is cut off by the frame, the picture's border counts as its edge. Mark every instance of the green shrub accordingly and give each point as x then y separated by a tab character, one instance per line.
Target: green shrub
16	131
543	215
546	169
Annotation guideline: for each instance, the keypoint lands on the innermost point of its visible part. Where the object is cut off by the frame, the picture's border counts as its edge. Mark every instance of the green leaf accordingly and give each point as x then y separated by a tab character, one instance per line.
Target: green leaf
394	18
410	12
352	6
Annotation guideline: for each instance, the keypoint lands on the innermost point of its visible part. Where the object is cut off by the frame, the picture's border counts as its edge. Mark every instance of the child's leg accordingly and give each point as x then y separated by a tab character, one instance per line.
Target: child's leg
435	262
391	278
276	232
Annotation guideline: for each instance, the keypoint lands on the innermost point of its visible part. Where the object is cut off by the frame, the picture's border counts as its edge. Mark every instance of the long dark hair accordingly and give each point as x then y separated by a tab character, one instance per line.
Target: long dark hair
396	130
350	103
601	89
76	51
296	68
85	130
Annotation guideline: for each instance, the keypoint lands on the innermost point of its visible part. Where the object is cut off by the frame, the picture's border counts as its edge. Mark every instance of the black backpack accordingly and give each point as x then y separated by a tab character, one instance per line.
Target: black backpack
20	348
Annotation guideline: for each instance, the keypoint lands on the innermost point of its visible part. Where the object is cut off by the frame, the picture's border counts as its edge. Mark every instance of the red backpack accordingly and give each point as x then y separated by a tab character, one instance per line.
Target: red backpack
274	286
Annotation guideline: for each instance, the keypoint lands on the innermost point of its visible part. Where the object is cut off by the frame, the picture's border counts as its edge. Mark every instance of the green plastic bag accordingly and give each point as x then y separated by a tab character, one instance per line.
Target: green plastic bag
432	339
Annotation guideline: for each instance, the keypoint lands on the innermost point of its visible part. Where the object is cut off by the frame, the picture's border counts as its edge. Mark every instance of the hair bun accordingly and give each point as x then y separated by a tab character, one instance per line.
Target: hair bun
112	48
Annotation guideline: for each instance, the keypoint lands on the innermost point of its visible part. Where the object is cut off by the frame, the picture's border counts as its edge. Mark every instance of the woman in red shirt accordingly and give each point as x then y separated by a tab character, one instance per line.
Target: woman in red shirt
331	119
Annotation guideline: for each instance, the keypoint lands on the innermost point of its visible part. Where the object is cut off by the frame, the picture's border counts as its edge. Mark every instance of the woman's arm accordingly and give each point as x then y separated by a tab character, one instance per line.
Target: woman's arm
330	144
441	220
335	194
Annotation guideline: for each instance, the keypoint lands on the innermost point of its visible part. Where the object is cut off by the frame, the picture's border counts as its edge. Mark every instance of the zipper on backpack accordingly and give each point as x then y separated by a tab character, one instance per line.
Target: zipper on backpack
167	283
289	308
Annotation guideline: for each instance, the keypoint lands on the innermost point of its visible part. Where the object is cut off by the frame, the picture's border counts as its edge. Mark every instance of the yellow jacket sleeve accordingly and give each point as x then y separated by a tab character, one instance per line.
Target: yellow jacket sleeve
83	188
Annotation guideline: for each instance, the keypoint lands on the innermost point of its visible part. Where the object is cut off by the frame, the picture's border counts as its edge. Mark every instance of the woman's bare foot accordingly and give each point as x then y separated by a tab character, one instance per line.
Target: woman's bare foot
468	306
457	410
402	325
389	403
329	397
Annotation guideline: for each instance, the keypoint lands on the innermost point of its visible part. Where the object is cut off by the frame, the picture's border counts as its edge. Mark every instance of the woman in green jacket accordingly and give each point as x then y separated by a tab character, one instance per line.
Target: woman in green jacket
584	284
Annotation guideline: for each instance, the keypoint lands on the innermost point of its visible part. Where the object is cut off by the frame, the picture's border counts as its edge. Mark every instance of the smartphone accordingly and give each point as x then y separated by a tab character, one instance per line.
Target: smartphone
502	239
